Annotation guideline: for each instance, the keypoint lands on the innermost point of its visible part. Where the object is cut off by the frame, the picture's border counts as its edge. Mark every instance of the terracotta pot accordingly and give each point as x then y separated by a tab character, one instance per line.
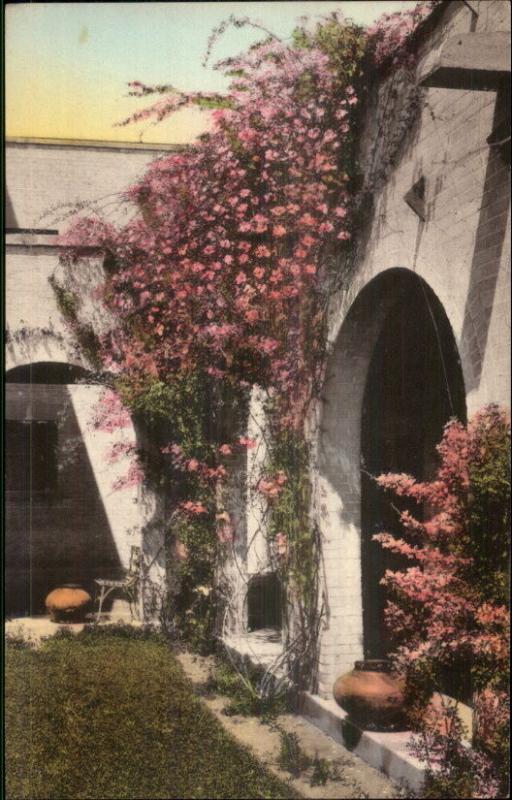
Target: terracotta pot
373	697
68	603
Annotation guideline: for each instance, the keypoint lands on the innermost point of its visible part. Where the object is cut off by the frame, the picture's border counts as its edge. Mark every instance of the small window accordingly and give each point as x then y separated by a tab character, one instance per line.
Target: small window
264	603
31	457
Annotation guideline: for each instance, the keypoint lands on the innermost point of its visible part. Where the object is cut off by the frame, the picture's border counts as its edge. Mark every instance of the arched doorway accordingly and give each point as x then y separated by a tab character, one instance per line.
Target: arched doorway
414	385
395	334
57	529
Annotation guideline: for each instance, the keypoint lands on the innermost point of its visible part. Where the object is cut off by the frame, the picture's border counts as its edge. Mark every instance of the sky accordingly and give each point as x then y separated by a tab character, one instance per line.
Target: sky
68	64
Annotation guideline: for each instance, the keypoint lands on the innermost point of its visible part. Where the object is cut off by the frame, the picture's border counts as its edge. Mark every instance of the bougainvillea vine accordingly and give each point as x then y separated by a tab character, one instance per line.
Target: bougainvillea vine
224	273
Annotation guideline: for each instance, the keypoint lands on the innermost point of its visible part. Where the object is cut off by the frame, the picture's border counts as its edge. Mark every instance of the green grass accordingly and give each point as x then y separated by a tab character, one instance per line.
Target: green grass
112	715
246	703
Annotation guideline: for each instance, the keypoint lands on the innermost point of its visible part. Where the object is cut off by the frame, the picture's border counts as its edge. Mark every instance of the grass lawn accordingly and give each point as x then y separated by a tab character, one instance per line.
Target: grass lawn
112	715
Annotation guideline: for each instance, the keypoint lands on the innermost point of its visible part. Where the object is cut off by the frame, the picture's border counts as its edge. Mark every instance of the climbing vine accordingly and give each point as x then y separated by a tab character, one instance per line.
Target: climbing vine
222	279
83	333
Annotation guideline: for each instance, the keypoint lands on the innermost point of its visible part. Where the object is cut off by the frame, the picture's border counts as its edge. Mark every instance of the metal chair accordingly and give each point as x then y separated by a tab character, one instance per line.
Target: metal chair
128	585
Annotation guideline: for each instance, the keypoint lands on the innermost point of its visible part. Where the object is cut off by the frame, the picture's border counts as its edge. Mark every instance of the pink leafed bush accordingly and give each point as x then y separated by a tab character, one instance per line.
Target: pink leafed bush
449	609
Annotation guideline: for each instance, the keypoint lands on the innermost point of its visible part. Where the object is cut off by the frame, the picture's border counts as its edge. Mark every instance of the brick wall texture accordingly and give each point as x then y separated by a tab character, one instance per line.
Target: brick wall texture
461	252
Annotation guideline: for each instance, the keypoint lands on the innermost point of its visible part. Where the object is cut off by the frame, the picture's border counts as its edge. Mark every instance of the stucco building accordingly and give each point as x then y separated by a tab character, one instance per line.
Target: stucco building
419	333
64	521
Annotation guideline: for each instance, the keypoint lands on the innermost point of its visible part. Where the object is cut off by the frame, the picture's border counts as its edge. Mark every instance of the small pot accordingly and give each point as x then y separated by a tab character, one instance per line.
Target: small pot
373	697
68	603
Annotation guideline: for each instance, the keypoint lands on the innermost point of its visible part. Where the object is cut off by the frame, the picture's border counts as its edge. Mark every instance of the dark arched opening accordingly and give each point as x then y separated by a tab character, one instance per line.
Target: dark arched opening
47	372
414	386
57	529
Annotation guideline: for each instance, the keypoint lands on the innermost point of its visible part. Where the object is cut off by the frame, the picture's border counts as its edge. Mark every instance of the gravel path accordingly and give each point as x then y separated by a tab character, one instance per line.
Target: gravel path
357	779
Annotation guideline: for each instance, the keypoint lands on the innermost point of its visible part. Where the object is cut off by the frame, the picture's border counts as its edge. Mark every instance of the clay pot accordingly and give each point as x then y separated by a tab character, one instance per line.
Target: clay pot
373	697
68	603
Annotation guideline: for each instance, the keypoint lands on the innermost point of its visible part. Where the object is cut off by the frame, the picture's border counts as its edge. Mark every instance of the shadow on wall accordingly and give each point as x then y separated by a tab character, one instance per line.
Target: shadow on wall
490	236
10	217
57	530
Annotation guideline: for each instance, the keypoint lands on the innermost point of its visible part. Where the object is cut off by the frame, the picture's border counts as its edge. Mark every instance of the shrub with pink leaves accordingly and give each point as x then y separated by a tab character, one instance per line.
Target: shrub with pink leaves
449	610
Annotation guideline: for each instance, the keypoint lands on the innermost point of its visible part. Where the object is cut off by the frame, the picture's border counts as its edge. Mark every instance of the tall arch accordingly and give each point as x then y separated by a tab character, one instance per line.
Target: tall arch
65	523
394	379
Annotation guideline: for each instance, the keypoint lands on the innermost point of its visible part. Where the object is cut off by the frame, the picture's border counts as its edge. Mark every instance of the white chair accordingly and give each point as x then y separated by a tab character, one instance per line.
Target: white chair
129	585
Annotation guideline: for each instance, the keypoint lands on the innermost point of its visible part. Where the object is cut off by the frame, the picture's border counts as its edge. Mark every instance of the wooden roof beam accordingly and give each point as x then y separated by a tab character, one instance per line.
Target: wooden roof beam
474	61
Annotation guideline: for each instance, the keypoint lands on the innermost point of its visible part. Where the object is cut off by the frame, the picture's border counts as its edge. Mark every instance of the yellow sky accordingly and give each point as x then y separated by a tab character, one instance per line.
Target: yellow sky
67	64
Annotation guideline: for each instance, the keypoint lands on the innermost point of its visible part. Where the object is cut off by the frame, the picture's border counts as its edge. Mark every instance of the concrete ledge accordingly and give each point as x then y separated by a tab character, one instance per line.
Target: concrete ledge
262	649
94	144
385	751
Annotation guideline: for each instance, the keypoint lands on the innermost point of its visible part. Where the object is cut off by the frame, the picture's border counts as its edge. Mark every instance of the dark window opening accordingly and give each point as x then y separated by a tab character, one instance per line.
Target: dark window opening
31	457
264	603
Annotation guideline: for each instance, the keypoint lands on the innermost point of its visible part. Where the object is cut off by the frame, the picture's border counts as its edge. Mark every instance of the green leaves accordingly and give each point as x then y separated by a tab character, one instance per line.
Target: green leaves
218	101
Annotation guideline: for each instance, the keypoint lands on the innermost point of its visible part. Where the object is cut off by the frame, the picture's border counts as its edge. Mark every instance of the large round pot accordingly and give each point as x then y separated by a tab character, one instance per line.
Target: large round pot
68	603
373	697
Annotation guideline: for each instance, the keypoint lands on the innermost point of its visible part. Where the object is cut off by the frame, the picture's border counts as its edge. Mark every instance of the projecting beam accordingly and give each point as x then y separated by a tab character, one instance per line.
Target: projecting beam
475	61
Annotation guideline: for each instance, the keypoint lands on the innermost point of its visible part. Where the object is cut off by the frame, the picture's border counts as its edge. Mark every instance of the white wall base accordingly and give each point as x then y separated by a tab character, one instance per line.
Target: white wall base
384	751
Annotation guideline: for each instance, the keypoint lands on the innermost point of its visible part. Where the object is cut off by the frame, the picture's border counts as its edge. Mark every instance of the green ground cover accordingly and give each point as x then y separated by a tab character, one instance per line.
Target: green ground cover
112	715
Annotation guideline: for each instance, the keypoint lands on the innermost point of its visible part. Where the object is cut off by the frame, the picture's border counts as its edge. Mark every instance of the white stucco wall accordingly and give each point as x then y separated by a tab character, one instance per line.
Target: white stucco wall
462	251
41	176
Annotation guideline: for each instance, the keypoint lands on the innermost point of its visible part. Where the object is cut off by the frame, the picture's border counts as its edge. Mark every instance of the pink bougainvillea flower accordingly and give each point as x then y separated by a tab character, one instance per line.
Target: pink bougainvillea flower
134	477
282	547
307	219
193	507
181	551
225	534
110	414
245	441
